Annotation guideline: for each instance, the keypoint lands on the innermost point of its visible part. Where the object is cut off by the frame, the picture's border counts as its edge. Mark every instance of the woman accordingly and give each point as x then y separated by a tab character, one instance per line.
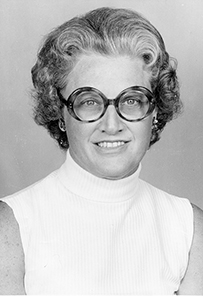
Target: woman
105	87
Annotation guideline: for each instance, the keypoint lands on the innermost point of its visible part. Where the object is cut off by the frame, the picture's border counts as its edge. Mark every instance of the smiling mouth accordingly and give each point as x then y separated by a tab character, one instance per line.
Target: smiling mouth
111	144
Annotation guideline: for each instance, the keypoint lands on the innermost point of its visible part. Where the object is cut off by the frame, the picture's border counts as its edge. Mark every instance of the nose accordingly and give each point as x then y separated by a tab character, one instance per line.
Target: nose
111	123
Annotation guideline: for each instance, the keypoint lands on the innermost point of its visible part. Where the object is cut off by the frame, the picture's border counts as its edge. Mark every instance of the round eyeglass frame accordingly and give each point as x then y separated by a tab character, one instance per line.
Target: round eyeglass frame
69	102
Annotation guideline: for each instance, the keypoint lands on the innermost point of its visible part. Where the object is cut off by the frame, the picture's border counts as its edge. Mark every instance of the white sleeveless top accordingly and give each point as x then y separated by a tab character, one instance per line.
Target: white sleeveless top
86	235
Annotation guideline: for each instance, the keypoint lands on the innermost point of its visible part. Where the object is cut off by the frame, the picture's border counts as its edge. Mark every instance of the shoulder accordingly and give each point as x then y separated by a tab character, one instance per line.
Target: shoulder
198	221
197	245
28	195
11	253
8	223
166	201
193	280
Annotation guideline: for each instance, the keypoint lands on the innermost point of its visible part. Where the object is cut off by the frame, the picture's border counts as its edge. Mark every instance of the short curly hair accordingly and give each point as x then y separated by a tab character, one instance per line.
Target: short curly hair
109	32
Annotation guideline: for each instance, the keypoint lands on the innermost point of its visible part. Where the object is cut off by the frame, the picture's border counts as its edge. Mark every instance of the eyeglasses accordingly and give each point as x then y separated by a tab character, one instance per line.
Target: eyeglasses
88	104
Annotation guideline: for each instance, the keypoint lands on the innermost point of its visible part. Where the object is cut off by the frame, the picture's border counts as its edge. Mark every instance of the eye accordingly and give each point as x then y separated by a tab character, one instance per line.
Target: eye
131	101
89	102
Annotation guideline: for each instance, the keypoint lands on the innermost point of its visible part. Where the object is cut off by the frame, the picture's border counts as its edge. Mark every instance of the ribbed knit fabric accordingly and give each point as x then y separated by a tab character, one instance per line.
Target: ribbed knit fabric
86	235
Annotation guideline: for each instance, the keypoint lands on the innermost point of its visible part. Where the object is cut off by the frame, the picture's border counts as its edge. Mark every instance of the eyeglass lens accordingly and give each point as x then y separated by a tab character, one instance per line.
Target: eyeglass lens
132	105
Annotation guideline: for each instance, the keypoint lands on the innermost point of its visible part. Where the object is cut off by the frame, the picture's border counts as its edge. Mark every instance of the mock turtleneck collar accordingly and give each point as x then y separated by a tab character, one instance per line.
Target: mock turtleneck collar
84	184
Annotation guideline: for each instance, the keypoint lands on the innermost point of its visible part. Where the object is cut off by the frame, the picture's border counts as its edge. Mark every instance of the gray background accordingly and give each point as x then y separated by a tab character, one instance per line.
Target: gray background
27	153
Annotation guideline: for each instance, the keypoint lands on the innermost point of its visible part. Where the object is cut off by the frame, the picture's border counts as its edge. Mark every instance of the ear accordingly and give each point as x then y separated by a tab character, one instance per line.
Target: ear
62	125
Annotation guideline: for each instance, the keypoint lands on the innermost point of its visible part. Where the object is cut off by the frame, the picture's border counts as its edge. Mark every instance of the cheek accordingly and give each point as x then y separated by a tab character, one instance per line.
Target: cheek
142	133
77	133
71	129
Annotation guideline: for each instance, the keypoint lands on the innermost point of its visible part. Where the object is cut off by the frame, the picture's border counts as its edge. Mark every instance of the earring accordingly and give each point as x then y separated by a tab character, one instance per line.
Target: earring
63	142
62	125
155	124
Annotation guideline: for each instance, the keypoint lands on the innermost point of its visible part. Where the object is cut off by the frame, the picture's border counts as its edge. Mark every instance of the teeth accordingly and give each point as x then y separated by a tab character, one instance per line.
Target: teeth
110	144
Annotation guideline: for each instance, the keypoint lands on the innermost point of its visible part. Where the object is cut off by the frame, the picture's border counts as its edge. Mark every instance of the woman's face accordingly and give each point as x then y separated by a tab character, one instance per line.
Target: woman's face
96	146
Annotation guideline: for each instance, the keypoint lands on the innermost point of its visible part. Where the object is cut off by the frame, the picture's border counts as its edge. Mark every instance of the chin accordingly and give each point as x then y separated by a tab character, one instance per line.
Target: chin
116	174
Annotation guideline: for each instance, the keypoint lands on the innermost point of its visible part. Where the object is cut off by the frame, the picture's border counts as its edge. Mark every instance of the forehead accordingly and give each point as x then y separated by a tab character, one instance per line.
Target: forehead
108	74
